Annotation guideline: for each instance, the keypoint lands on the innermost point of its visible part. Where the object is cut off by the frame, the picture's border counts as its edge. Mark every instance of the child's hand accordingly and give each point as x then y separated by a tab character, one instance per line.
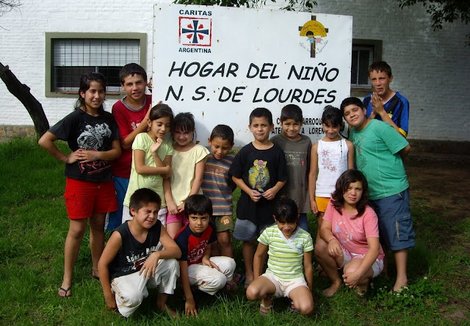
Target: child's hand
255	195
351	279
172	208
155	146
377	104
190	307
207	262
269	194
180	208
313	206
85	155
73	157
150	265
110	301
334	248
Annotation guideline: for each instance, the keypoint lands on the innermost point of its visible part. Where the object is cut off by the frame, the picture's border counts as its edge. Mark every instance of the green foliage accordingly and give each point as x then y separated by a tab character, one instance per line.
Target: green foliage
297	5
442	10
34	225
419	295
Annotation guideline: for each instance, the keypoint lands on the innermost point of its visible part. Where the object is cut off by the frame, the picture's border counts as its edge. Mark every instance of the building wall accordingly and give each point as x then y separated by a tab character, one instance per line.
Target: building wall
431	68
22	44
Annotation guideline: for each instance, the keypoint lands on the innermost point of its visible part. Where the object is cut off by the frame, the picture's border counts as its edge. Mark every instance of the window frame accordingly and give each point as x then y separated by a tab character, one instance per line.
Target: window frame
376	45
141	37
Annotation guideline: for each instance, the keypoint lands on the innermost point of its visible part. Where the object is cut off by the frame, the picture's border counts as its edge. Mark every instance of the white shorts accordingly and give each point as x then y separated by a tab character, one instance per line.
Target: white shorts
377	266
283	288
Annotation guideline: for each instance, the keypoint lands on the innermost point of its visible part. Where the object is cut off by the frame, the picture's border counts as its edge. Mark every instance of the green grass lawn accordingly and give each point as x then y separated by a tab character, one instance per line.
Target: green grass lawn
33	226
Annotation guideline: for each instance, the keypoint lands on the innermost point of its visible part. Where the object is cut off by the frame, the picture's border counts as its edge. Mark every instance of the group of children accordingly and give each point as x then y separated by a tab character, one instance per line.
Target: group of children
171	198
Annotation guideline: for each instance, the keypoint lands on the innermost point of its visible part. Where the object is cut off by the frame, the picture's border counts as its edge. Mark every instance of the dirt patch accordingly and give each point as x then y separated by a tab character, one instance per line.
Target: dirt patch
441	182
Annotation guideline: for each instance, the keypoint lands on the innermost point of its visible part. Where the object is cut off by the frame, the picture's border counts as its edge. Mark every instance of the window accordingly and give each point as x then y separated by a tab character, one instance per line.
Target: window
364	52
69	55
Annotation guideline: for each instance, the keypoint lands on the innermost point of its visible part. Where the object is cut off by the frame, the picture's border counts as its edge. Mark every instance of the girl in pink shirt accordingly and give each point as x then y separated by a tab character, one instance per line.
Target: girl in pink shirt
349	236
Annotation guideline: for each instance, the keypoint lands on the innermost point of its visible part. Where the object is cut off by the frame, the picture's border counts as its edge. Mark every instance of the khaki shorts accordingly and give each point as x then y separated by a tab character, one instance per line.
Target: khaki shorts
223	223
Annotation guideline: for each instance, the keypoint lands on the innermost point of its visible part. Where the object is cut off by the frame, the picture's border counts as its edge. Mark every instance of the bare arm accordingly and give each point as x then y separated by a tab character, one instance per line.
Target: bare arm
326	234
109	252
259	259
47	142
312	177
143	169
171	248
126	143
353	278
198	176
190	304
405	151
170	202
308	269
351	163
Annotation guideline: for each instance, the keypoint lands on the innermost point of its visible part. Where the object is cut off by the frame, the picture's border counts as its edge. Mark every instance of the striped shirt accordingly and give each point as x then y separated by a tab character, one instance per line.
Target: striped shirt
286	255
217	185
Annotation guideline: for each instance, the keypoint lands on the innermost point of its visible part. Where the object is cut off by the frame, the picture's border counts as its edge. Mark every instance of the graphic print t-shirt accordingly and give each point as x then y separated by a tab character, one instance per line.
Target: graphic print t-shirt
82	130
260	170
132	254
193	246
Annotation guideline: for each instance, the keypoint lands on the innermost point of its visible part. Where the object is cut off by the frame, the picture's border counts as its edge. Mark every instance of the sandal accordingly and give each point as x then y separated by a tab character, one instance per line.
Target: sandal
265	310
65	293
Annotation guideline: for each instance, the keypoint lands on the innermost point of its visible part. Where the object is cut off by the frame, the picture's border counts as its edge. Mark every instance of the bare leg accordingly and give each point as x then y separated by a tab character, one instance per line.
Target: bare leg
302	299
173	228
363	283
224	241
329	265
248	251
401	259
161	305
96	240
72	245
263	289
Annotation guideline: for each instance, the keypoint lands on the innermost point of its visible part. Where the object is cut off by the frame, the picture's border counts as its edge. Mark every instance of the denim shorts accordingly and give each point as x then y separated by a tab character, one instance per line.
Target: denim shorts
395	223
246	230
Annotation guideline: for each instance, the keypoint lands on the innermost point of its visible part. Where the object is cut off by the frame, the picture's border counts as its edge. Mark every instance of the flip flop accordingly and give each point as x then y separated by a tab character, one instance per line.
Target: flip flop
65	293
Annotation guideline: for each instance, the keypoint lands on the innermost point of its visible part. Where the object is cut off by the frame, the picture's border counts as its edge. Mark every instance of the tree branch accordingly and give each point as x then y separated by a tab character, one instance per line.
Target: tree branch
23	94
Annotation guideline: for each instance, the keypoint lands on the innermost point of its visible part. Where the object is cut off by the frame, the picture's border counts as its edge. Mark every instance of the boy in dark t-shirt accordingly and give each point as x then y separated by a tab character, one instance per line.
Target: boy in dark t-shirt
259	170
134	258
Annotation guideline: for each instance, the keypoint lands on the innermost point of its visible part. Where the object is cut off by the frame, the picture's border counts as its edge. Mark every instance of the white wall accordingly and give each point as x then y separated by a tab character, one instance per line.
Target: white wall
431	68
22	44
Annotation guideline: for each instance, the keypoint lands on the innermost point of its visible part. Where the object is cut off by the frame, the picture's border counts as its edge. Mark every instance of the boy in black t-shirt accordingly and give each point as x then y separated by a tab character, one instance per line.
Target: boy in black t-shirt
134	258
259	170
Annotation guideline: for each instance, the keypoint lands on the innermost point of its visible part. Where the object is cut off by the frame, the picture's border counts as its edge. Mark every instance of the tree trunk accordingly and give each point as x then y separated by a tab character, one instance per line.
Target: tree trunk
22	93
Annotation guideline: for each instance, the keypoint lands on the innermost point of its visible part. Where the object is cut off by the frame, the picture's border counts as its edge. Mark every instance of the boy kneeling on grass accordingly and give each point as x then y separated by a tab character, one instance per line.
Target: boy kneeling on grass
134	258
290	272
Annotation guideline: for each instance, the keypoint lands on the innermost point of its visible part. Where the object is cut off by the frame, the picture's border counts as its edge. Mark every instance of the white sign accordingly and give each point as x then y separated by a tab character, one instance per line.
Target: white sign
220	63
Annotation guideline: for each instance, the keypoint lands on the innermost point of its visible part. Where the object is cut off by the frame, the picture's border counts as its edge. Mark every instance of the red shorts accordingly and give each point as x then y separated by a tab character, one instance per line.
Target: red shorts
84	198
